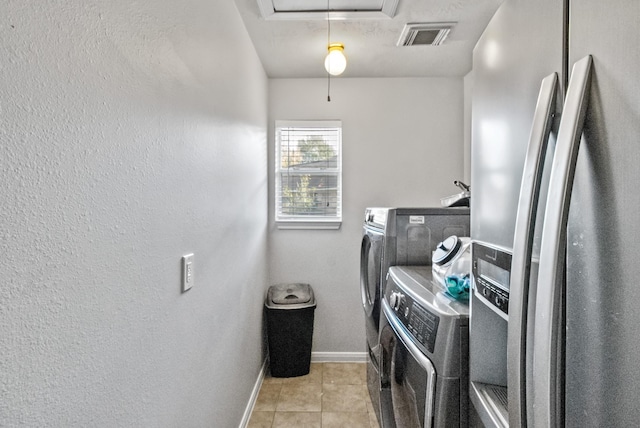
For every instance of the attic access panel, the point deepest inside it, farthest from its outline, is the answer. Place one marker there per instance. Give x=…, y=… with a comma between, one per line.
x=321, y=5
x=317, y=9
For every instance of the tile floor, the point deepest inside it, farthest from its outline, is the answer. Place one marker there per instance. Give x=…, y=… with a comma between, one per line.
x=332, y=395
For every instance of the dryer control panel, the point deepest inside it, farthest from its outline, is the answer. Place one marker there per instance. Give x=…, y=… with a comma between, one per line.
x=421, y=324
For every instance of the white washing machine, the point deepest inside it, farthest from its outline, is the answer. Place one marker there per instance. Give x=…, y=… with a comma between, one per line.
x=424, y=362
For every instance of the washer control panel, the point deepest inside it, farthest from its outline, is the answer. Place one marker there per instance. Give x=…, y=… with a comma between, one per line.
x=421, y=324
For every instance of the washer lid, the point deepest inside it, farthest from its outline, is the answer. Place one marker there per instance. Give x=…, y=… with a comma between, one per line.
x=446, y=250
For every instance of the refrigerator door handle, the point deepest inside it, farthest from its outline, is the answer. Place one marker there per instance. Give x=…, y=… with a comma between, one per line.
x=547, y=328
x=522, y=249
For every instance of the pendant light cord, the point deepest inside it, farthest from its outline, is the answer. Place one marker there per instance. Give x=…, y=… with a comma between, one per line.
x=328, y=42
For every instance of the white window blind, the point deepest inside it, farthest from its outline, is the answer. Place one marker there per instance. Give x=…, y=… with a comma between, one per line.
x=308, y=171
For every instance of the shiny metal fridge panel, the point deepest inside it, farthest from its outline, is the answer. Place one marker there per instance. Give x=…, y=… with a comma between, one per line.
x=603, y=247
x=521, y=46
x=596, y=381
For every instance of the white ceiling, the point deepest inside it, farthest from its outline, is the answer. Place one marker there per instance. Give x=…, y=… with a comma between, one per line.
x=294, y=44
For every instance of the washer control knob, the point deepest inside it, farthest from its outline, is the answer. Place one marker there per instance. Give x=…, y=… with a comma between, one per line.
x=400, y=300
x=393, y=300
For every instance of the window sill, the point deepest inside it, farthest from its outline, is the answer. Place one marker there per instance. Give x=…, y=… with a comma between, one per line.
x=309, y=225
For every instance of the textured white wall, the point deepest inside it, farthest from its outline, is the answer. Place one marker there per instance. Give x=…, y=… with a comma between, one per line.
x=402, y=146
x=131, y=133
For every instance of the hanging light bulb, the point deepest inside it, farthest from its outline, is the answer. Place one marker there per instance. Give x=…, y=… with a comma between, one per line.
x=336, y=62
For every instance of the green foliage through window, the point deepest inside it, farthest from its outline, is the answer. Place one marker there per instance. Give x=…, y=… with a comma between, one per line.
x=308, y=172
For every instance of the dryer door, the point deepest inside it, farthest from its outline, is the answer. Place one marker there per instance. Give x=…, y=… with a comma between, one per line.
x=370, y=265
x=408, y=378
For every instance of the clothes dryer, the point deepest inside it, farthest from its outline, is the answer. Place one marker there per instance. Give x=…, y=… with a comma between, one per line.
x=397, y=236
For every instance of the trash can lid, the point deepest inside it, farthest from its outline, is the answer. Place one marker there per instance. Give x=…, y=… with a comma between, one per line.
x=289, y=294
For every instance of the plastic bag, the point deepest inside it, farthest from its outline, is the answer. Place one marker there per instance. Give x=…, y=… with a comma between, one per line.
x=458, y=286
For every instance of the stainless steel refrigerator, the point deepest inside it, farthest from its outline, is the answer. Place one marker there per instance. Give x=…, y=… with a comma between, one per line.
x=555, y=215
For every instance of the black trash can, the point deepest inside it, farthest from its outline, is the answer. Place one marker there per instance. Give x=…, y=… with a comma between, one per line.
x=290, y=309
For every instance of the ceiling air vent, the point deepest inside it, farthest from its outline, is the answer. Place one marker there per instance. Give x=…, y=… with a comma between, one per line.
x=425, y=34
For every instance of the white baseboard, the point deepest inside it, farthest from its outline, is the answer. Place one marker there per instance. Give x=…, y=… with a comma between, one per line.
x=254, y=395
x=338, y=357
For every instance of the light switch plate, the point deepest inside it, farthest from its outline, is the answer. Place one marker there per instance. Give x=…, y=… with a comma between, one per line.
x=187, y=272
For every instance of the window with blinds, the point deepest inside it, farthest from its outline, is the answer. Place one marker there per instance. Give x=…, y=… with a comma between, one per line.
x=308, y=172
